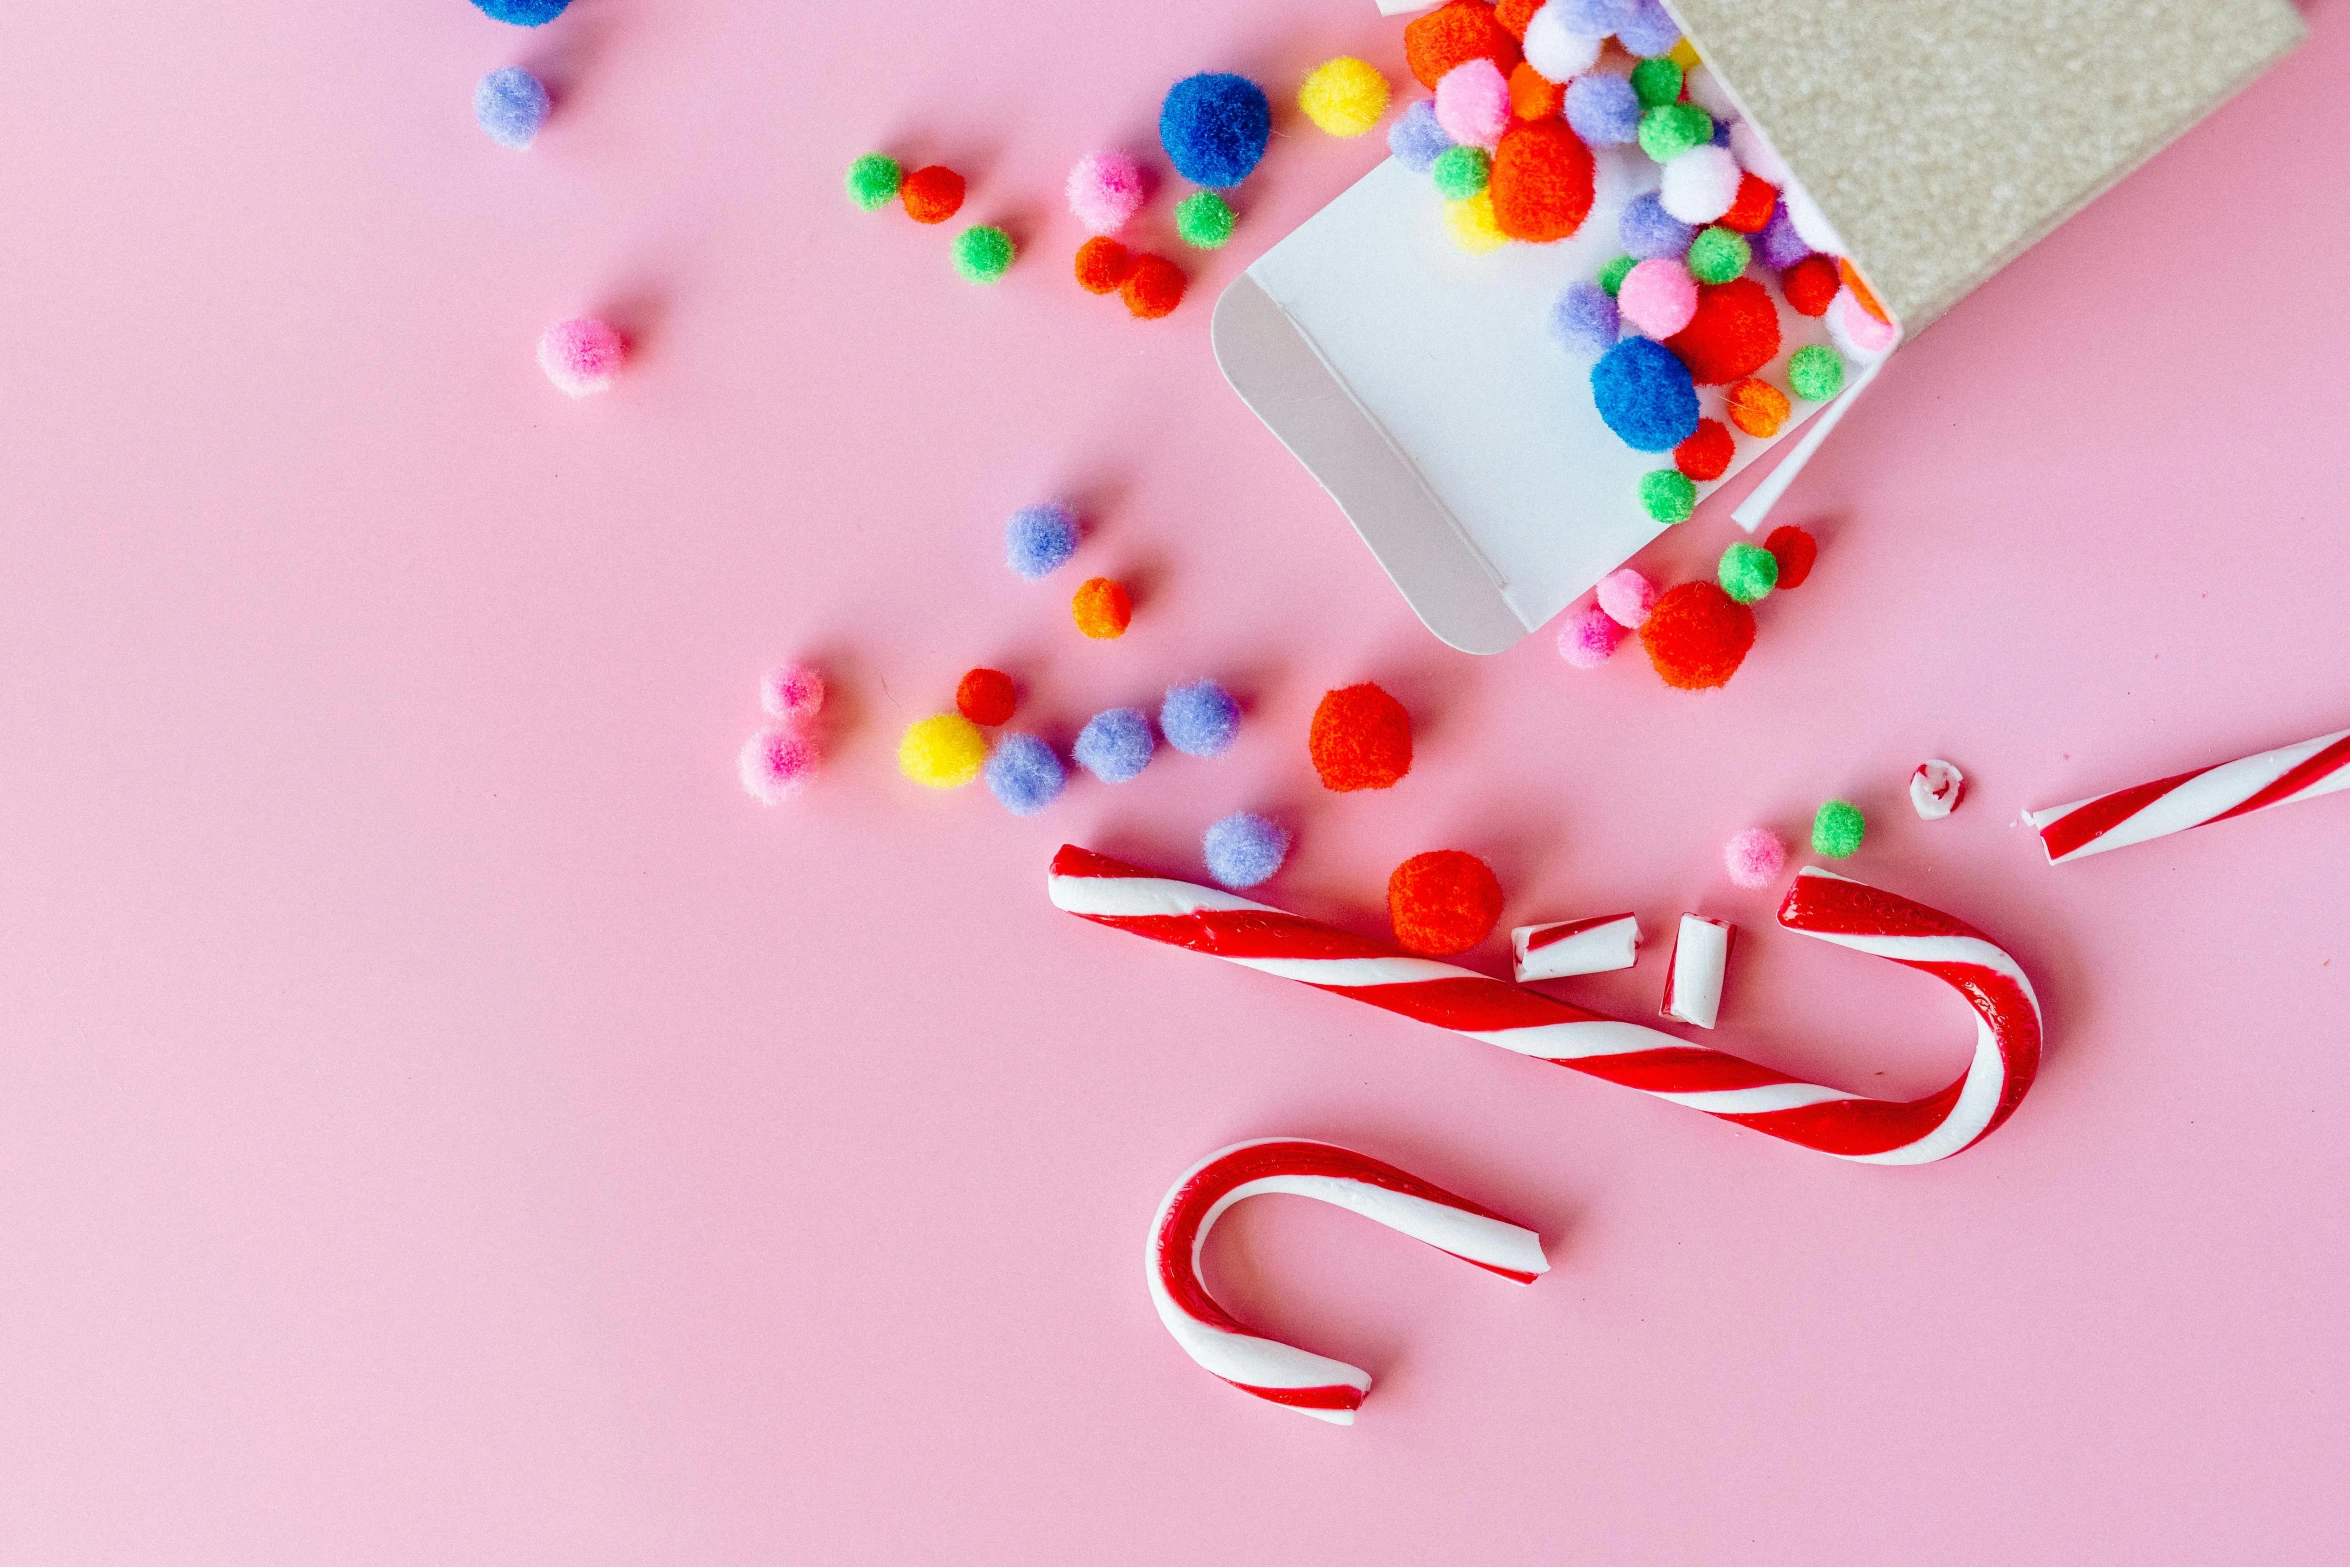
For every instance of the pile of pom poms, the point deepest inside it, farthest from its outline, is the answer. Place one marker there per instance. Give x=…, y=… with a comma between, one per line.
x=781, y=760
x=1697, y=634
x=1105, y=190
x=982, y=253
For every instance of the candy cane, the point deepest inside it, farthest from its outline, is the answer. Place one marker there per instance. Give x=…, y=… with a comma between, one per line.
x=2168, y=805
x=1821, y=905
x=1312, y=1384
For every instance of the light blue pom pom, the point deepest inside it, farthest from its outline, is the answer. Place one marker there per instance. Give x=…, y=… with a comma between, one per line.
x=1415, y=138
x=1603, y=109
x=1039, y=540
x=511, y=105
x=1650, y=31
x=1244, y=849
x=1648, y=231
x=1200, y=719
x=1024, y=775
x=1583, y=320
x=1116, y=745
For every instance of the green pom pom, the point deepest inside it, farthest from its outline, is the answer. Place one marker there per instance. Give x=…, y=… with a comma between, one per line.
x=1657, y=81
x=1611, y=276
x=1748, y=573
x=1460, y=172
x=1718, y=255
x=1816, y=373
x=1668, y=495
x=1204, y=220
x=983, y=254
x=1671, y=129
x=1836, y=832
x=873, y=181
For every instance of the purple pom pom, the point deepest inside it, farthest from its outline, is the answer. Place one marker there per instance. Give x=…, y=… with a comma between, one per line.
x=1650, y=31
x=1604, y=110
x=1416, y=138
x=1598, y=18
x=1778, y=246
x=1650, y=233
x=1583, y=320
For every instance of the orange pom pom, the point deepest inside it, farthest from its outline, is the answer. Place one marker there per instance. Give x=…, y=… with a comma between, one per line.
x=1540, y=181
x=1706, y=455
x=1810, y=285
x=1534, y=96
x=1734, y=333
x=1102, y=609
x=1750, y=213
x=985, y=696
x=1860, y=290
x=1697, y=636
x=1153, y=288
x=1442, y=903
x=1757, y=407
x=1513, y=15
x=1453, y=33
x=932, y=195
x=1361, y=739
x=1103, y=264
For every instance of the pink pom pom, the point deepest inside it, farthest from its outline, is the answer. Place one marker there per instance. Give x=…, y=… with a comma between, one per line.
x=582, y=355
x=1589, y=637
x=1106, y=189
x=1659, y=297
x=1852, y=326
x=1755, y=857
x=1627, y=596
x=793, y=691
x=1473, y=103
x=776, y=763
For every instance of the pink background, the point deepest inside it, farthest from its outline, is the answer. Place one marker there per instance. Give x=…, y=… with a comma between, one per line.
x=443, y=1120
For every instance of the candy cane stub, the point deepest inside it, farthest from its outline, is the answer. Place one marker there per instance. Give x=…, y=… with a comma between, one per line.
x=1820, y=905
x=1281, y=1373
x=2196, y=799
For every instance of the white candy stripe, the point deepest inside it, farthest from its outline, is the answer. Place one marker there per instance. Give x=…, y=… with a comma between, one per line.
x=1755, y=1101
x=1935, y=949
x=1135, y=896
x=1978, y=1101
x=1354, y=973
x=1596, y=949
x=1601, y=1036
x=2211, y=793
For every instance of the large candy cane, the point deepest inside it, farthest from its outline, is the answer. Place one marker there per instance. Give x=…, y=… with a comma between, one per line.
x=1313, y=1384
x=1821, y=905
x=2213, y=794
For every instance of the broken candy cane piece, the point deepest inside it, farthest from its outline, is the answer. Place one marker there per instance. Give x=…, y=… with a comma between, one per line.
x=1593, y=946
x=1311, y=1384
x=1936, y=789
x=1693, y=979
x=2168, y=805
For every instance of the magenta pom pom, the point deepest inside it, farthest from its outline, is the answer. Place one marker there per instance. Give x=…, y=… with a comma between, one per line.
x=582, y=355
x=1627, y=597
x=1473, y=103
x=794, y=692
x=1755, y=857
x=777, y=763
x=1106, y=190
x=1659, y=297
x=1589, y=637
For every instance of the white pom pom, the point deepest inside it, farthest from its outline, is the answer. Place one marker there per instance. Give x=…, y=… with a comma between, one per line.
x=1700, y=185
x=1705, y=89
x=1757, y=156
x=1811, y=224
x=1556, y=53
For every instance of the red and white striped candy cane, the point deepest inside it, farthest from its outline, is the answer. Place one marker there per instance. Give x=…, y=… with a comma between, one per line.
x=2168, y=805
x=1821, y=905
x=1313, y=1384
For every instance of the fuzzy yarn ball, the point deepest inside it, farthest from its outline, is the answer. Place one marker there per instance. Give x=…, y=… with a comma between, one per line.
x=1534, y=96
x=1458, y=30
x=1697, y=636
x=1583, y=320
x=1754, y=857
x=1757, y=407
x=944, y=751
x=777, y=763
x=1627, y=596
x=1555, y=49
x=1153, y=289
x=1611, y=277
x=1214, y=127
x=1588, y=637
x=793, y=692
x=1461, y=172
x=1472, y=225
x=1700, y=185
x=1719, y=254
x=1810, y=221
x=1658, y=298
x=1667, y=495
x=1658, y=82
x=1838, y=830
x=1443, y=903
x=1102, y=609
x=1757, y=202
x=1646, y=230
x=1416, y=138
x=1115, y=745
x=1244, y=849
x=873, y=181
x=1541, y=182
x=1673, y=129
x=523, y=13
x=1645, y=394
x=1473, y=103
x=1102, y=265
x=1747, y=572
x=1204, y=220
x=1604, y=110
x=1734, y=334
x=1650, y=30
x=1810, y=285
x=582, y=356
x=1105, y=190
x=510, y=105
x=1592, y=18
x=1199, y=719
x=985, y=696
x=1815, y=373
x=1361, y=738
x=1706, y=455
x=1039, y=539
x=931, y=195
x=1777, y=245
x=983, y=254
x=1795, y=551
x=1345, y=96
x=1024, y=775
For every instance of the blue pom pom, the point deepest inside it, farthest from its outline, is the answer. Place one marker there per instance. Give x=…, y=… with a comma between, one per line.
x=1415, y=138
x=1648, y=231
x=1024, y=775
x=1116, y=745
x=511, y=105
x=1214, y=126
x=1039, y=539
x=1243, y=850
x=1597, y=18
x=1650, y=30
x=1721, y=136
x=1199, y=719
x=523, y=13
x=1603, y=109
x=1583, y=320
x=1646, y=395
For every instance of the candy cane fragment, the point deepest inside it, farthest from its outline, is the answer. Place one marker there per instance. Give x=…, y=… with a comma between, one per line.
x=1693, y=977
x=2197, y=799
x=1280, y=1373
x=1569, y=947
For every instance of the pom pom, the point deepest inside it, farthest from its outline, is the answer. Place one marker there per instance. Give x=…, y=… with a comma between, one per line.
x=1810, y=221
x=1344, y=96
x=1658, y=82
x=1644, y=393
x=1514, y=15
x=1861, y=335
x=1115, y=745
x=1244, y=849
x=1038, y=540
x=1588, y=637
x=1103, y=264
x=582, y=356
x=1697, y=636
x=873, y=181
x=1718, y=255
x=1627, y=596
x=1472, y=225
x=1810, y=285
x=793, y=692
x=1700, y=184
x=1706, y=455
x=945, y=751
x=1648, y=231
x=1102, y=609
x=1361, y=738
x=1611, y=276
x=1443, y=903
x=1704, y=88
x=983, y=254
x=1583, y=320
x=1756, y=155
x=1473, y=103
x=1658, y=298
x=1757, y=407
x=1735, y=333
x=1024, y=775
x=1461, y=172
x=1747, y=572
x=777, y=763
x=1153, y=289
x=523, y=13
x=1650, y=30
x=1416, y=138
x=1604, y=110
x=1106, y=190
x=1837, y=830
x=1199, y=719
x=1667, y=496
x=1667, y=133
x=1755, y=857
x=1214, y=126
x=1555, y=50
x=1860, y=289
x=1795, y=551
x=1778, y=245
x=1534, y=96
x=1815, y=373
x=931, y=195
x=985, y=696
x=1204, y=220
x=1541, y=181
x=1591, y=18
x=1751, y=212
x=1459, y=30
x=511, y=104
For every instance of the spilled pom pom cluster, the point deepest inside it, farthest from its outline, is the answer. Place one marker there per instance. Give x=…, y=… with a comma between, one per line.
x=781, y=760
x=931, y=195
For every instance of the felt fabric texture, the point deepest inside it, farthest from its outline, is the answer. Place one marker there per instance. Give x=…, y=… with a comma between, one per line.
x=510, y=105
x=1756, y=407
x=1658, y=298
x=1627, y=596
x=1706, y=455
x=1244, y=849
x=1105, y=190
x=793, y=692
x=1443, y=903
x=1697, y=636
x=1668, y=131
x=1815, y=373
x=873, y=181
x=1102, y=264
x=1473, y=103
x=1645, y=394
x=1584, y=320
x=1116, y=745
x=582, y=356
x=1204, y=220
x=1604, y=109
x=1667, y=495
x=1455, y=31
x=1541, y=181
x=983, y=254
x=776, y=764
x=1461, y=172
x=1719, y=254
x=1646, y=230
x=1747, y=572
x=1837, y=830
x=1039, y=539
x=1360, y=738
x=1154, y=288
x=1754, y=858
x=1472, y=225
x=1734, y=334
x=1213, y=127
x=1415, y=138
x=1200, y=718
x=986, y=696
x=1700, y=184
x=944, y=751
x=1534, y=96
x=1795, y=551
x=1588, y=637
x=1025, y=775
x=932, y=194
x=523, y=13
x=1345, y=96
x=1555, y=49
x=1102, y=609
x=1810, y=285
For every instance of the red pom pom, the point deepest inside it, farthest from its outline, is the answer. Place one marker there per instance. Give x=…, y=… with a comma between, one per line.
x=1153, y=288
x=1541, y=181
x=1810, y=285
x=1750, y=213
x=1451, y=34
x=1513, y=15
x=1794, y=550
x=1361, y=739
x=1534, y=96
x=1697, y=636
x=1734, y=333
x=1706, y=455
x=1442, y=903
x=932, y=195
x=1103, y=264
x=985, y=697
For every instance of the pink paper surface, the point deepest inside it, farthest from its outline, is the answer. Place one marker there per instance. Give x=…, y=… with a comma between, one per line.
x=444, y=1120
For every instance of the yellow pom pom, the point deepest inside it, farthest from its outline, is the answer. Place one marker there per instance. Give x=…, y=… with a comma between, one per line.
x=1472, y=226
x=1684, y=55
x=945, y=752
x=1344, y=96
